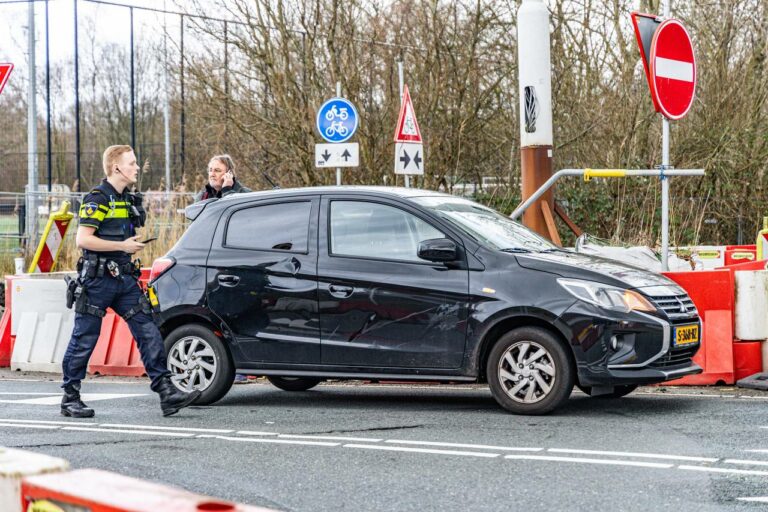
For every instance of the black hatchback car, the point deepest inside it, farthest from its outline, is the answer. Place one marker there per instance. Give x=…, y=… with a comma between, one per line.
x=303, y=285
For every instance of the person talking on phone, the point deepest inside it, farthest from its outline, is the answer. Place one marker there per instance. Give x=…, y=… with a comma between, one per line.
x=222, y=182
x=221, y=179
x=107, y=278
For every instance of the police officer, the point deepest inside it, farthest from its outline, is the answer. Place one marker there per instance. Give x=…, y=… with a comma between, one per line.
x=109, y=217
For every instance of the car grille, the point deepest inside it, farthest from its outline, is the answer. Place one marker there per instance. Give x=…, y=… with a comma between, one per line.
x=676, y=357
x=676, y=306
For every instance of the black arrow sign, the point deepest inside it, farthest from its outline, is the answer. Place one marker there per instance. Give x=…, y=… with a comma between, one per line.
x=405, y=159
x=326, y=155
x=346, y=155
x=417, y=160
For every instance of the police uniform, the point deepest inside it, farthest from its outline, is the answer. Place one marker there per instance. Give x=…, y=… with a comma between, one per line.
x=109, y=280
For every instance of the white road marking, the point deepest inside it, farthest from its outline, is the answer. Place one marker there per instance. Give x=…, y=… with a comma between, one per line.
x=44, y=422
x=747, y=462
x=126, y=431
x=674, y=69
x=274, y=441
x=724, y=470
x=462, y=445
x=330, y=438
x=23, y=393
x=763, y=499
x=56, y=399
x=255, y=433
x=422, y=450
x=583, y=460
x=49, y=427
x=633, y=454
x=181, y=429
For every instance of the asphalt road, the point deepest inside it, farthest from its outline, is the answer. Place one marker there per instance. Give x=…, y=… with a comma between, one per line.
x=361, y=447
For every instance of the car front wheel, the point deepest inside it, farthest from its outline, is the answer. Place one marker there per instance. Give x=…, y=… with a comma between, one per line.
x=529, y=371
x=198, y=359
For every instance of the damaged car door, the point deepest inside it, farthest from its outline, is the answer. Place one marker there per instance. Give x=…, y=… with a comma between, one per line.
x=380, y=303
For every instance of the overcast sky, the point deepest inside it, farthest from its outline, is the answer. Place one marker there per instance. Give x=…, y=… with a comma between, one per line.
x=112, y=25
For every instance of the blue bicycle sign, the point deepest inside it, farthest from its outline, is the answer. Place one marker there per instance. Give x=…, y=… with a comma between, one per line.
x=337, y=120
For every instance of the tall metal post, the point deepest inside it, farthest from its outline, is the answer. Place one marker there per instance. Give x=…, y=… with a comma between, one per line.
x=401, y=82
x=77, y=105
x=535, y=92
x=48, y=152
x=31, y=196
x=166, y=109
x=133, y=90
x=664, y=179
x=183, y=114
x=226, y=78
x=338, y=169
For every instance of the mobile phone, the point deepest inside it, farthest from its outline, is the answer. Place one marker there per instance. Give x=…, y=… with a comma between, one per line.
x=149, y=240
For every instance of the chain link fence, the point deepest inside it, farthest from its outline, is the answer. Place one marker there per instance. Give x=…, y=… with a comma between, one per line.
x=23, y=218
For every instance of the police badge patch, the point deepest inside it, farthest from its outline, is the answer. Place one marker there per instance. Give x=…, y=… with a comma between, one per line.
x=89, y=209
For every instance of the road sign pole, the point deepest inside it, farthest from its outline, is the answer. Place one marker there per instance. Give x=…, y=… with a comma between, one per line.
x=401, y=80
x=664, y=180
x=338, y=169
x=664, y=196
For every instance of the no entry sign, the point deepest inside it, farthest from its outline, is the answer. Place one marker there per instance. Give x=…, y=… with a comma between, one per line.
x=672, y=70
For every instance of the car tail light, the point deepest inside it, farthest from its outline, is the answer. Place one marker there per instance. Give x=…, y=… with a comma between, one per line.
x=159, y=267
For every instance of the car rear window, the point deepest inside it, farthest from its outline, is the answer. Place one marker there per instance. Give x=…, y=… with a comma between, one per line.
x=273, y=227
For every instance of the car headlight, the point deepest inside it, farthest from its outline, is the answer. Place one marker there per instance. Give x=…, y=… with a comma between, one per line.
x=607, y=296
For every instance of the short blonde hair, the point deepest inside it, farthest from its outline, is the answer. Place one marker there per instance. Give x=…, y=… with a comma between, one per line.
x=226, y=160
x=111, y=156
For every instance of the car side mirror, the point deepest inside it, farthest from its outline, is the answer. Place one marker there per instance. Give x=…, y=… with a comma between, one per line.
x=438, y=249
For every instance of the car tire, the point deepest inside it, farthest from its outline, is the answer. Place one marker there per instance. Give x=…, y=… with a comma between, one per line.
x=543, y=383
x=293, y=383
x=618, y=391
x=207, y=364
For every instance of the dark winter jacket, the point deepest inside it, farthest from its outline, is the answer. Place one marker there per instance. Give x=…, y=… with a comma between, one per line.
x=209, y=192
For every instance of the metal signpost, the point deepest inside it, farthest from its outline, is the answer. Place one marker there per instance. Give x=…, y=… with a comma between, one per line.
x=670, y=67
x=409, y=148
x=337, y=122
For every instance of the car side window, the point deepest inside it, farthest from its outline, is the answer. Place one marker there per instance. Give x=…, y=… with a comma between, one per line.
x=273, y=227
x=374, y=230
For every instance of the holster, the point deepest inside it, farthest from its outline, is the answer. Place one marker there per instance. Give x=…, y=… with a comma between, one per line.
x=77, y=297
x=72, y=290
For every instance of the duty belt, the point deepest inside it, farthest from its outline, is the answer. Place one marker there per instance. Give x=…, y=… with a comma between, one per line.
x=96, y=266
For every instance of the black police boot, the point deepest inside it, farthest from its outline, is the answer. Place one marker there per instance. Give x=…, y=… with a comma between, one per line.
x=72, y=406
x=172, y=399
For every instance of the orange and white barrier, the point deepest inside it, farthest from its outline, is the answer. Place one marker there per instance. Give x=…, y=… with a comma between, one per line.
x=101, y=491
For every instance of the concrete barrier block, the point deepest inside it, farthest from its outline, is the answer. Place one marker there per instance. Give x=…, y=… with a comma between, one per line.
x=16, y=465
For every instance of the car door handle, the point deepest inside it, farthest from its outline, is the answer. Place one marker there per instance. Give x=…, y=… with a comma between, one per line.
x=228, y=280
x=341, y=292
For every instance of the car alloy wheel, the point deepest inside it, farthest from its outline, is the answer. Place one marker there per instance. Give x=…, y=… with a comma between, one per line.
x=192, y=362
x=527, y=372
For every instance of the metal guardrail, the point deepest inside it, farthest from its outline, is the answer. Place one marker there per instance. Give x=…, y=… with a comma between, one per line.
x=588, y=174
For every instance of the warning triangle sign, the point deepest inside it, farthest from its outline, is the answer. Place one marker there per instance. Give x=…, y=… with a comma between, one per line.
x=5, y=72
x=407, y=125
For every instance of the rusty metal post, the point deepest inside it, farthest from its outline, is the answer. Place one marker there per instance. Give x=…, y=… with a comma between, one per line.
x=535, y=90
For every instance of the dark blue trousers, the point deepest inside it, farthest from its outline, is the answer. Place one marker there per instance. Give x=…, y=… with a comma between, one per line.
x=121, y=294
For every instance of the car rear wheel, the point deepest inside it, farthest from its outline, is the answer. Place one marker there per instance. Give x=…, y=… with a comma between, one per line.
x=293, y=383
x=198, y=359
x=529, y=371
x=618, y=391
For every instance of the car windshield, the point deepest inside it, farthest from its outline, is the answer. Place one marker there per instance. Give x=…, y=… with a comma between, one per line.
x=485, y=225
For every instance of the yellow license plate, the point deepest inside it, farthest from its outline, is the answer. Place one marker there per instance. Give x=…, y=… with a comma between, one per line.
x=686, y=335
